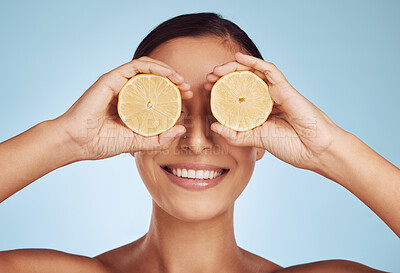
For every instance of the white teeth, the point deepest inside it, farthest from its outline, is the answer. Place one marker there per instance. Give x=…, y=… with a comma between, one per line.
x=200, y=174
x=212, y=174
x=195, y=174
x=191, y=173
x=206, y=174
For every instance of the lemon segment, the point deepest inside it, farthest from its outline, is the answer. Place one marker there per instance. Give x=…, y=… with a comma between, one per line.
x=241, y=100
x=149, y=104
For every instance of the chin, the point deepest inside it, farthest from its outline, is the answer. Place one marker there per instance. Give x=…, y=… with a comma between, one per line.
x=191, y=205
x=190, y=209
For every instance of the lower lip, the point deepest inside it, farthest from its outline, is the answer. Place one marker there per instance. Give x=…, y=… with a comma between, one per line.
x=195, y=184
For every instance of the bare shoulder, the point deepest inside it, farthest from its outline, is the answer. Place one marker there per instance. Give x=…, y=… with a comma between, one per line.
x=334, y=266
x=48, y=260
x=123, y=258
x=329, y=266
x=259, y=264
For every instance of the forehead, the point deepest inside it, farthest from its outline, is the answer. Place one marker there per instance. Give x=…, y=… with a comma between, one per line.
x=194, y=57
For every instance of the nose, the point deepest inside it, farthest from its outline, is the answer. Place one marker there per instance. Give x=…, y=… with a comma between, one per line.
x=197, y=138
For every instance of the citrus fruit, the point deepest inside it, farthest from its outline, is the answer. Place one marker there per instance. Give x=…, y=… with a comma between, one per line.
x=149, y=104
x=241, y=100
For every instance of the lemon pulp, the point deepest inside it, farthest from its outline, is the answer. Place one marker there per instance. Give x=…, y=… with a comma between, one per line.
x=241, y=100
x=149, y=104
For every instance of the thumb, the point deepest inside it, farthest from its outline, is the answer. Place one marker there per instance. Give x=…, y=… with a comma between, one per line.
x=223, y=130
x=154, y=143
x=232, y=137
x=165, y=138
x=254, y=137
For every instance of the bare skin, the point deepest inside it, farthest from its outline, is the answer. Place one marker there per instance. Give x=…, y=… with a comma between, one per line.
x=177, y=240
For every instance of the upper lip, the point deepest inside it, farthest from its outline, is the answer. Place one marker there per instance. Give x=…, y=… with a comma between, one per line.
x=194, y=166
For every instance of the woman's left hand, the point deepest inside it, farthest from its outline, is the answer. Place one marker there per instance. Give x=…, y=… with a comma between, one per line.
x=296, y=132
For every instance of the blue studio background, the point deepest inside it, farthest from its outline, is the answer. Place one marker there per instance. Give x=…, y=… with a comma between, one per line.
x=342, y=55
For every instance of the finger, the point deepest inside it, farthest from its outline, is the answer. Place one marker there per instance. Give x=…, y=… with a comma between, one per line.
x=178, y=78
x=184, y=86
x=223, y=69
x=235, y=66
x=186, y=95
x=245, y=138
x=233, y=137
x=208, y=86
x=117, y=77
x=211, y=77
x=154, y=68
x=157, y=142
x=165, y=138
x=149, y=59
x=223, y=130
x=272, y=73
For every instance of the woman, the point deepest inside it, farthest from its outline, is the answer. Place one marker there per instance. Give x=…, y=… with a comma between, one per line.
x=191, y=229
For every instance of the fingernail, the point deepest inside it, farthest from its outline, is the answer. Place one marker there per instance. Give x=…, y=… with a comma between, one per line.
x=179, y=77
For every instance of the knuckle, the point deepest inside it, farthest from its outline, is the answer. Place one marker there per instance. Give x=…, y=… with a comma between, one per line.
x=172, y=74
x=106, y=76
x=155, y=62
x=135, y=61
x=138, y=62
x=144, y=58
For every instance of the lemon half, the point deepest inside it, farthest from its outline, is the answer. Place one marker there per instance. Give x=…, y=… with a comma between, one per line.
x=149, y=104
x=241, y=100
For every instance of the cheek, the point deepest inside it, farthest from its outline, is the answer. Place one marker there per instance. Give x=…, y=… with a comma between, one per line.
x=145, y=167
x=246, y=159
x=150, y=174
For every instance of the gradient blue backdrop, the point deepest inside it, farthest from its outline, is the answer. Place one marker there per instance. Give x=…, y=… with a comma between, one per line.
x=342, y=55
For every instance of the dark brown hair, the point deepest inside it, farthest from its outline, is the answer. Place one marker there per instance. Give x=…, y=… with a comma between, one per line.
x=196, y=24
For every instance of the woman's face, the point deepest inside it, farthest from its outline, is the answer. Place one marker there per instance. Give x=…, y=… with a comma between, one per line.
x=184, y=198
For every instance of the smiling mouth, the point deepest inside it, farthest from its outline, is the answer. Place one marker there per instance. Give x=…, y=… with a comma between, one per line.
x=203, y=174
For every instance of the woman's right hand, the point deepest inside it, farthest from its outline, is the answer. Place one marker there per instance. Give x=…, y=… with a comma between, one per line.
x=93, y=125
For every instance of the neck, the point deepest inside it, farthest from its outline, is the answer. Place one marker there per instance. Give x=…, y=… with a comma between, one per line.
x=173, y=245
